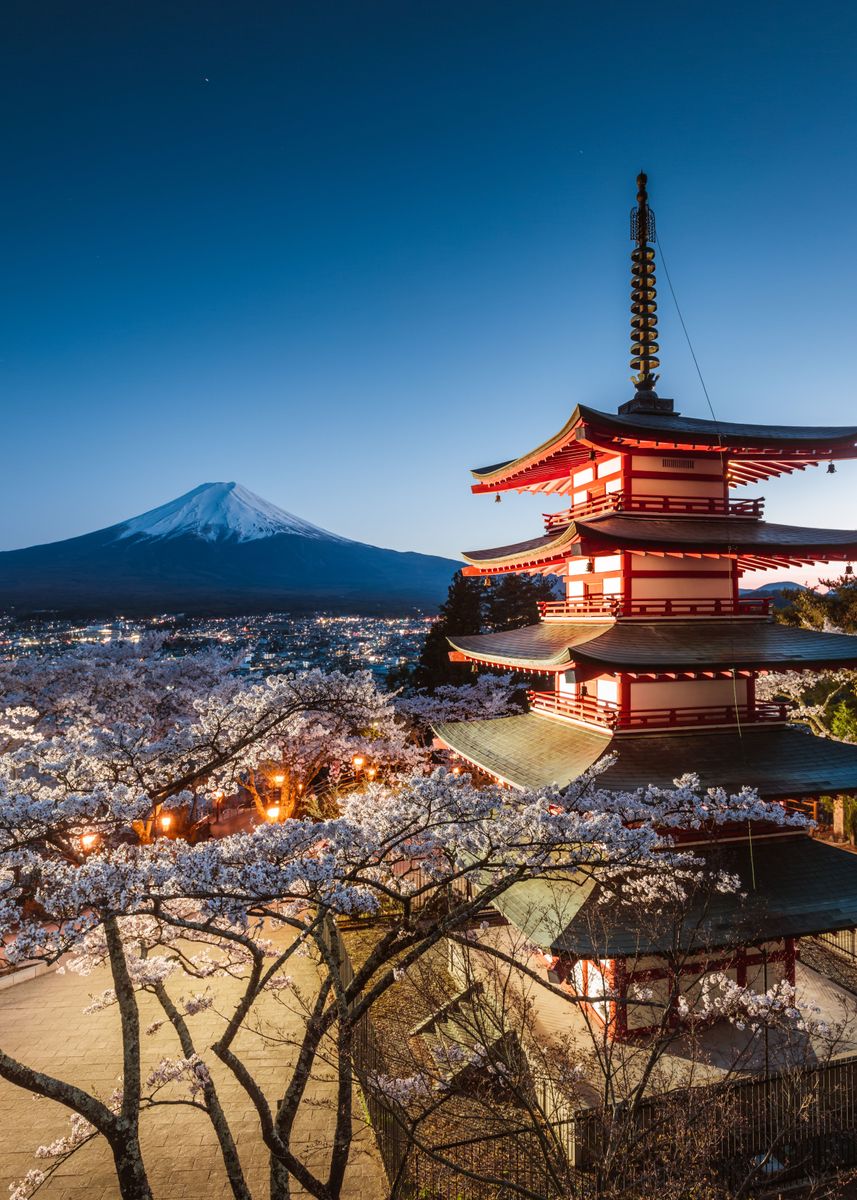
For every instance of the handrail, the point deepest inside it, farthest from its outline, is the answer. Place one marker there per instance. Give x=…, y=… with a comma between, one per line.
x=601, y=605
x=581, y=708
x=593, y=711
x=698, y=506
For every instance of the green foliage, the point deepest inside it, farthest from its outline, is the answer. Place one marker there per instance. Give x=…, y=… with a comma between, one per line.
x=843, y=721
x=508, y=602
x=814, y=610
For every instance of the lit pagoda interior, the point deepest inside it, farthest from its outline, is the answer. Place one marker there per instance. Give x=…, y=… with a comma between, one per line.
x=653, y=654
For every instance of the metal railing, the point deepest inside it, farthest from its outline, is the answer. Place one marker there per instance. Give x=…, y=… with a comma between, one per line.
x=678, y=506
x=603, y=605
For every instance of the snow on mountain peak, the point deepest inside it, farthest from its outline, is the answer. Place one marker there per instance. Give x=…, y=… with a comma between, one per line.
x=217, y=512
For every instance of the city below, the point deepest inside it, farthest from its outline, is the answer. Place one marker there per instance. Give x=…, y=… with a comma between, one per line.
x=268, y=643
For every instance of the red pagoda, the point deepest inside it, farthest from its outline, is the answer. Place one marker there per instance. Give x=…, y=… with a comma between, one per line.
x=653, y=655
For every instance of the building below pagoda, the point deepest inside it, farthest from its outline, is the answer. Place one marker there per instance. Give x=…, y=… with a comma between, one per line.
x=650, y=660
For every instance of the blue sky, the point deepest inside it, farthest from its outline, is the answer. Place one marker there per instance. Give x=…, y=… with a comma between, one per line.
x=343, y=252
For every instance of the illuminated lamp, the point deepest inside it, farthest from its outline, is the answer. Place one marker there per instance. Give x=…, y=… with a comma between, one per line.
x=273, y=813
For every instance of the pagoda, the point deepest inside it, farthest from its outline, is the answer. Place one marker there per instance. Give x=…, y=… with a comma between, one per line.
x=652, y=656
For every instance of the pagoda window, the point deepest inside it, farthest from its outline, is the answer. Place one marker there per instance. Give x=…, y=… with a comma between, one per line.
x=577, y=566
x=613, y=485
x=612, y=585
x=607, y=690
x=598, y=983
x=608, y=562
x=611, y=466
x=579, y=478
x=580, y=497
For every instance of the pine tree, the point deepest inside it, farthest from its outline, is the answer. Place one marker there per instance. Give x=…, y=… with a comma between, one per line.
x=508, y=602
x=461, y=614
x=512, y=601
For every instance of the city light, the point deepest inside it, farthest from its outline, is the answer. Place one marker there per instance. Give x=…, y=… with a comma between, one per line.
x=87, y=841
x=357, y=762
x=278, y=780
x=273, y=813
x=166, y=821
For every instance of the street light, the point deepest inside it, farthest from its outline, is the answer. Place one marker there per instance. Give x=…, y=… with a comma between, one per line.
x=278, y=780
x=371, y=773
x=357, y=762
x=87, y=841
x=166, y=822
x=273, y=813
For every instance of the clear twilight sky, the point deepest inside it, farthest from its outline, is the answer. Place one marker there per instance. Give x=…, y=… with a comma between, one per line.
x=342, y=252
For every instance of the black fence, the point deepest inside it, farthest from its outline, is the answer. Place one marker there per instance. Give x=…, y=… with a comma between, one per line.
x=844, y=941
x=787, y=1128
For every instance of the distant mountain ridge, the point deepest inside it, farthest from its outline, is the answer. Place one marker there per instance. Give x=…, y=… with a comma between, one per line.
x=218, y=549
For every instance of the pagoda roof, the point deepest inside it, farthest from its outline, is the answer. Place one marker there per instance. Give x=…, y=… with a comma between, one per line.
x=765, y=449
x=759, y=543
x=791, y=886
x=657, y=646
x=532, y=751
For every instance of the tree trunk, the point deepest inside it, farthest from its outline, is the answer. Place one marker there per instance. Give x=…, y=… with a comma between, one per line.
x=280, y=1188
x=130, y=1172
x=839, y=822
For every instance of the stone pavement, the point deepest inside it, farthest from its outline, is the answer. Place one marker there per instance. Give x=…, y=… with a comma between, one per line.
x=42, y=1023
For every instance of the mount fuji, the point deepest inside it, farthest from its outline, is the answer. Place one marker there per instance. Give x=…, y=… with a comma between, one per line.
x=218, y=549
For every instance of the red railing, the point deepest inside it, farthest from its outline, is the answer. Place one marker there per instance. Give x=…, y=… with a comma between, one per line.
x=709, y=714
x=699, y=506
x=592, y=711
x=600, y=605
x=583, y=606
x=717, y=606
x=580, y=708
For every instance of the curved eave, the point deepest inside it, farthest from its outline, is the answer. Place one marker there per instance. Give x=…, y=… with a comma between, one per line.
x=757, y=543
x=790, y=886
x=532, y=751
x=764, y=449
x=659, y=648
x=534, y=553
x=546, y=647
x=715, y=535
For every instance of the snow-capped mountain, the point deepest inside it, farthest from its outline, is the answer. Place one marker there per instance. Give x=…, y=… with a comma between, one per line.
x=216, y=511
x=218, y=549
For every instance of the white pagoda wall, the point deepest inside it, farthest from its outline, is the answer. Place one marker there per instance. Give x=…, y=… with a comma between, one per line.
x=684, y=693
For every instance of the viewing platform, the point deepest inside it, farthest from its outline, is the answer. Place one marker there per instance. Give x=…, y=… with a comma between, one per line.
x=691, y=506
x=592, y=711
x=602, y=606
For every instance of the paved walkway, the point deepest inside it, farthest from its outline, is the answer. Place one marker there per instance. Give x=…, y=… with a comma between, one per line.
x=42, y=1022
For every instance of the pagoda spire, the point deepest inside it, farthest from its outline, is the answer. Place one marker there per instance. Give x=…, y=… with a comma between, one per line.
x=644, y=309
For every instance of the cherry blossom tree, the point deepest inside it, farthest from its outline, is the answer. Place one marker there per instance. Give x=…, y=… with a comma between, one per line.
x=422, y=856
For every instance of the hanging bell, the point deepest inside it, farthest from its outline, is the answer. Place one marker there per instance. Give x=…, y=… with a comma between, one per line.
x=831, y=468
x=849, y=570
x=590, y=565
x=497, y=498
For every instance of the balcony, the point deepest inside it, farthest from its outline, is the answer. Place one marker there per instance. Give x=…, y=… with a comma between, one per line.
x=591, y=711
x=586, y=709
x=605, y=607
x=676, y=506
